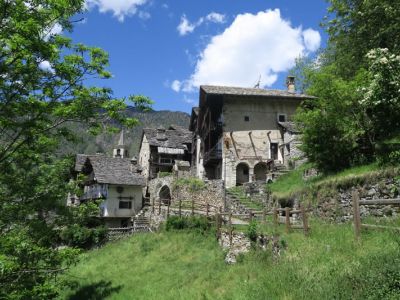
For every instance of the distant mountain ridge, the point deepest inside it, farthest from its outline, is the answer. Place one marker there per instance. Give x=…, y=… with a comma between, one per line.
x=105, y=142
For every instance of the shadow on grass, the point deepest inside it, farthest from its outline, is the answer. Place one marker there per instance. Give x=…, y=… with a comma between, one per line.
x=94, y=291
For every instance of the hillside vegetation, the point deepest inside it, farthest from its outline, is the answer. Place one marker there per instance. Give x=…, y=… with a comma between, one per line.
x=188, y=265
x=105, y=142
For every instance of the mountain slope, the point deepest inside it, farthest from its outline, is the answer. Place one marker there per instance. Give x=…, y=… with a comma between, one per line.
x=89, y=144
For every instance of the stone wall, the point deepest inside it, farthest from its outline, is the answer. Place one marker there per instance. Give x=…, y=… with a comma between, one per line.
x=333, y=200
x=339, y=207
x=213, y=194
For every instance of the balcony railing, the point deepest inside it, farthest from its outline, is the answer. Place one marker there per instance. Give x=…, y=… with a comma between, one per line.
x=215, y=153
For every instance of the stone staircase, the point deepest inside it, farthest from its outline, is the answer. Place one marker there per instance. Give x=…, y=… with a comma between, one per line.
x=279, y=169
x=238, y=205
x=141, y=222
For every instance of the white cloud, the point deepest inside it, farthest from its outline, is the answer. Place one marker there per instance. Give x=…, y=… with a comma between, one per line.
x=189, y=100
x=216, y=17
x=253, y=45
x=144, y=15
x=176, y=85
x=185, y=26
x=119, y=8
x=45, y=66
x=51, y=31
x=312, y=39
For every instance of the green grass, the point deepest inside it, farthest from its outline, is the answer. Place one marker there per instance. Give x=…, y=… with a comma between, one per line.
x=187, y=265
x=293, y=182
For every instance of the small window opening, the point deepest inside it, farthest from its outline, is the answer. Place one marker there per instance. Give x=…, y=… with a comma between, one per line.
x=281, y=118
x=246, y=118
x=125, y=204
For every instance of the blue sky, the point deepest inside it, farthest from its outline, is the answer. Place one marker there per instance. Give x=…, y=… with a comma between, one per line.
x=166, y=49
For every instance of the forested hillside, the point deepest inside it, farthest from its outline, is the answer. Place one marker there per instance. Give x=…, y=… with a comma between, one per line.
x=104, y=143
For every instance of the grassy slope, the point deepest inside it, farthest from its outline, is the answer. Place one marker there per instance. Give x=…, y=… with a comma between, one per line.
x=185, y=265
x=293, y=182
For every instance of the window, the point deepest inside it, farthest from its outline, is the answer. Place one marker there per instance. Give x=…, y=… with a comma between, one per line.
x=166, y=161
x=125, y=204
x=246, y=118
x=245, y=172
x=281, y=118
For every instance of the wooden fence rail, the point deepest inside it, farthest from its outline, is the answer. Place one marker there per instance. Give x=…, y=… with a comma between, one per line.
x=357, y=216
x=206, y=209
x=275, y=213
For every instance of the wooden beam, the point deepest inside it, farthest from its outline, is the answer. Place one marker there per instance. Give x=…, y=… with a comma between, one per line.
x=380, y=202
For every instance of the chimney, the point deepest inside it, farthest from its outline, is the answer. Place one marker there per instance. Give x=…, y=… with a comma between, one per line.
x=134, y=161
x=290, y=84
x=161, y=134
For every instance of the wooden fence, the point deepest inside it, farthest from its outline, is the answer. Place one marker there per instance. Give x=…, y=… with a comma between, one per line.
x=264, y=213
x=357, y=216
x=191, y=205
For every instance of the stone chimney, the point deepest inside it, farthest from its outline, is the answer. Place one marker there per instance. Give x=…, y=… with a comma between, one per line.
x=290, y=84
x=134, y=161
x=161, y=134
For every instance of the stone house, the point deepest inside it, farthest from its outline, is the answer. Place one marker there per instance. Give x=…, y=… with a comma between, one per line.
x=240, y=134
x=161, y=148
x=116, y=181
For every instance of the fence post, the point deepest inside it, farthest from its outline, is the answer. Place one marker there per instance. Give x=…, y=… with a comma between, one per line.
x=192, y=206
x=207, y=208
x=264, y=216
x=305, y=220
x=159, y=207
x=153, y=206
x=356, y=215
x=217, y=221
x=169, y=203
x=287, y=215
x=275, y=217
x=180, y=207
x=230, y=229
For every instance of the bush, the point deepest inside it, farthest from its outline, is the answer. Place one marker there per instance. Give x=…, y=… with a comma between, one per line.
x=179, y=223
x=252, y=231
x=83, y=237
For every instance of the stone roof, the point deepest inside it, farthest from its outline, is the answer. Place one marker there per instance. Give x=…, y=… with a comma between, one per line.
x=112, y=170
x=290, y=126
x=257, y=92
x=177, y=138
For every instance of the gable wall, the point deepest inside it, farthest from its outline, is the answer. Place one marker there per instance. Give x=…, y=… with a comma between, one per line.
x=262, y=113
x=263, y=128
x=111, y=204
x=144, y=156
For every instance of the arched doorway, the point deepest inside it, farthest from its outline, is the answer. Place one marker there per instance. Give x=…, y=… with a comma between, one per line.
x=260, y=171
x=242, y=173
x=165, y=195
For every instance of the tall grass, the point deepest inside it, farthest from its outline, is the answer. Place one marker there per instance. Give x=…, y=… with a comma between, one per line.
x=328, y=264
x=293, y=181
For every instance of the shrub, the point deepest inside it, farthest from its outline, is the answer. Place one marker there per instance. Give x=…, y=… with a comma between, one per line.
x=179, y=223
x=252, y=231
x=83, y=237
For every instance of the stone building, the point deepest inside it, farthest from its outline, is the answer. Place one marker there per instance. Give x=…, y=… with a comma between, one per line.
x=161, y=148
x=116, y=181
x=239, y=133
